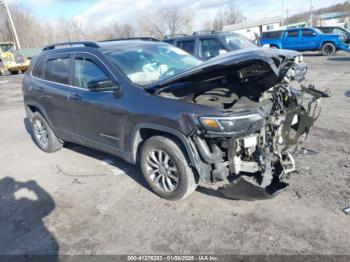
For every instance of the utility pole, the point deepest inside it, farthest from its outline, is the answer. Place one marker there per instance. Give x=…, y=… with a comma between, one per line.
x=282, y=13
x=311, y=15
x=13, y=28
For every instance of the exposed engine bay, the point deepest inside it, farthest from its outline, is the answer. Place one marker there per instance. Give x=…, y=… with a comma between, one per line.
x=268, y=112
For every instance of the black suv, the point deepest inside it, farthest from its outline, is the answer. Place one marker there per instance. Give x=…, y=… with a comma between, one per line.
x=206, y=46
x=233, y=119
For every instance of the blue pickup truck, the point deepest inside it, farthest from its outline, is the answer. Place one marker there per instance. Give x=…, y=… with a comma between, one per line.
x=304, y=39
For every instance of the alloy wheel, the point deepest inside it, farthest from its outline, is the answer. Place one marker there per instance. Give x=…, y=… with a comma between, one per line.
x=162, y=170
x=41, y=133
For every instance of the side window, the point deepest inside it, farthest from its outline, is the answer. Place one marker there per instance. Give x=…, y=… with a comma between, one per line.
x=86, y=71
x=209, y=48
x=188, y=46
x=339, y=32
x=308, y=33
x=57, y=70
x=294, y=33
x=38, y=68
x=326, y=30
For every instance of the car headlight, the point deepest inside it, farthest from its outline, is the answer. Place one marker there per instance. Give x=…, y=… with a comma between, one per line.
x=235, y=123
x=299, y=59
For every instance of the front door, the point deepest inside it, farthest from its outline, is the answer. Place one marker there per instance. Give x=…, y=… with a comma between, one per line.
x=98, y=115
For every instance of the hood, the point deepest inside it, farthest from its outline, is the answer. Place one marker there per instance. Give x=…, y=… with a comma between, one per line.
x=274, y=60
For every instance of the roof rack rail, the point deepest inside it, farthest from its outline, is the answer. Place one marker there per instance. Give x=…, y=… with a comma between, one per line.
x=206, y=32
x=84, y=43
x=175, y=35
x=152, y=39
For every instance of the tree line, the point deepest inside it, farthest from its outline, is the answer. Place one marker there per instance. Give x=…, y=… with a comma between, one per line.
x=34, y=32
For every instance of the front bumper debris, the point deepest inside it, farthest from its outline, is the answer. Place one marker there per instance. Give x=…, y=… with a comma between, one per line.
x=242, y=189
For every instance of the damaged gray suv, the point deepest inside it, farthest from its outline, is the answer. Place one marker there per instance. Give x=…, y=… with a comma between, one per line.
x=231, y=123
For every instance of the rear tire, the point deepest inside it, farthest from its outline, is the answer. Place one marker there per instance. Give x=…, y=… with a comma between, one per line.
x=166, y=169
x=43, y=135
x=328, y=49
x=273, y=47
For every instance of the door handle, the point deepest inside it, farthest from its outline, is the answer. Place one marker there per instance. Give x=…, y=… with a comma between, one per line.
x=74, y=97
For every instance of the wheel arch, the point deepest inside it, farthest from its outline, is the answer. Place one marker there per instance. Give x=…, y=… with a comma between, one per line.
x=32, y=107
x=143, y=131
x=328, y=42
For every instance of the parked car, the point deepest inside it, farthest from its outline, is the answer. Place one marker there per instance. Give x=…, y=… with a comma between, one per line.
x=304, y=39
x=233, y=119
x=206, y=46
x=336, y=30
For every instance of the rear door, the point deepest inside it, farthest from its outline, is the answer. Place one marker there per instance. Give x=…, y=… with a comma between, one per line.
x=291, y=40
x=98, y=115
x=53, y=94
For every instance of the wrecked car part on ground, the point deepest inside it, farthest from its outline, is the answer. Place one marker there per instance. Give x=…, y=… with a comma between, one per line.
x=267, y=112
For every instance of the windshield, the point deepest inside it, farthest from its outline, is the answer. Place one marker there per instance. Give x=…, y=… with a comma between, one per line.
x=152, y=63
x=236, y=42
x=6, y=47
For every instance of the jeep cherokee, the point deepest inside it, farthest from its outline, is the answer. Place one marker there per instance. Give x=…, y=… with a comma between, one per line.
x=231, y=123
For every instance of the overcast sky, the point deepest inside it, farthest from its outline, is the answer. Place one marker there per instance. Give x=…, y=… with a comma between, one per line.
x=101, y=12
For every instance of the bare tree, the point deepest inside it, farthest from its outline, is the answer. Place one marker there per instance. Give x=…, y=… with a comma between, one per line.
x=178, y=20
x=230, y=14
x=219, y=21
x=173, y=20
x=149, y=25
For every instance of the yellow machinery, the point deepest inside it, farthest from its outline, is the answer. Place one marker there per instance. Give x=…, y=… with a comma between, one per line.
x=11, y=61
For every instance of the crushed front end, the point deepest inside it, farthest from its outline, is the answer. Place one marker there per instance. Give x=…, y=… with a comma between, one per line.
x=250, y=152
x=263, y=112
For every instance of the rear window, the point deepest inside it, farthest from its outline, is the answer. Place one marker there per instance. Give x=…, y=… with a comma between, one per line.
x=38, y=68
x=57, y=70
x=188, y=46
x=326, y=30
x=308, y=32
x=274, y=34
x=294, y=33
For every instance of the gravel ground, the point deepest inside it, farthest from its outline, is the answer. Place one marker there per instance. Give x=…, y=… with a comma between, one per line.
x=80, y=201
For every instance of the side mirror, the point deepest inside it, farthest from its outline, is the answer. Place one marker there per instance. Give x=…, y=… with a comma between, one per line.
x=102, y=85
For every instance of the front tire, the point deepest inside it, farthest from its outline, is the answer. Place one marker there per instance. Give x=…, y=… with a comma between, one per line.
x=166, y=168
x=328, y=49
x=43, y=135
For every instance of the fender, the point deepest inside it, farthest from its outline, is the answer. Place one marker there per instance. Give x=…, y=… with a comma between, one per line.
x=40, y=109
x=187, y=143
x=329, y=41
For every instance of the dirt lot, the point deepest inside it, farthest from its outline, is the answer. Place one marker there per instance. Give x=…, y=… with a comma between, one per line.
x=84, y=202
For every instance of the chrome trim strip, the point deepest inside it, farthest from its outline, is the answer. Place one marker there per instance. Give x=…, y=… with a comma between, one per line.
x=109, y=136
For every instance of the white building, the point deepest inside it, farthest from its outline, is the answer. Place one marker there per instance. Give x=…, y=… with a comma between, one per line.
x=251, y=29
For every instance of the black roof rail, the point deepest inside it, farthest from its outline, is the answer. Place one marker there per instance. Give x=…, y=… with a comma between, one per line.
x=152, y=39
x=84, y=43
x=175, y=35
